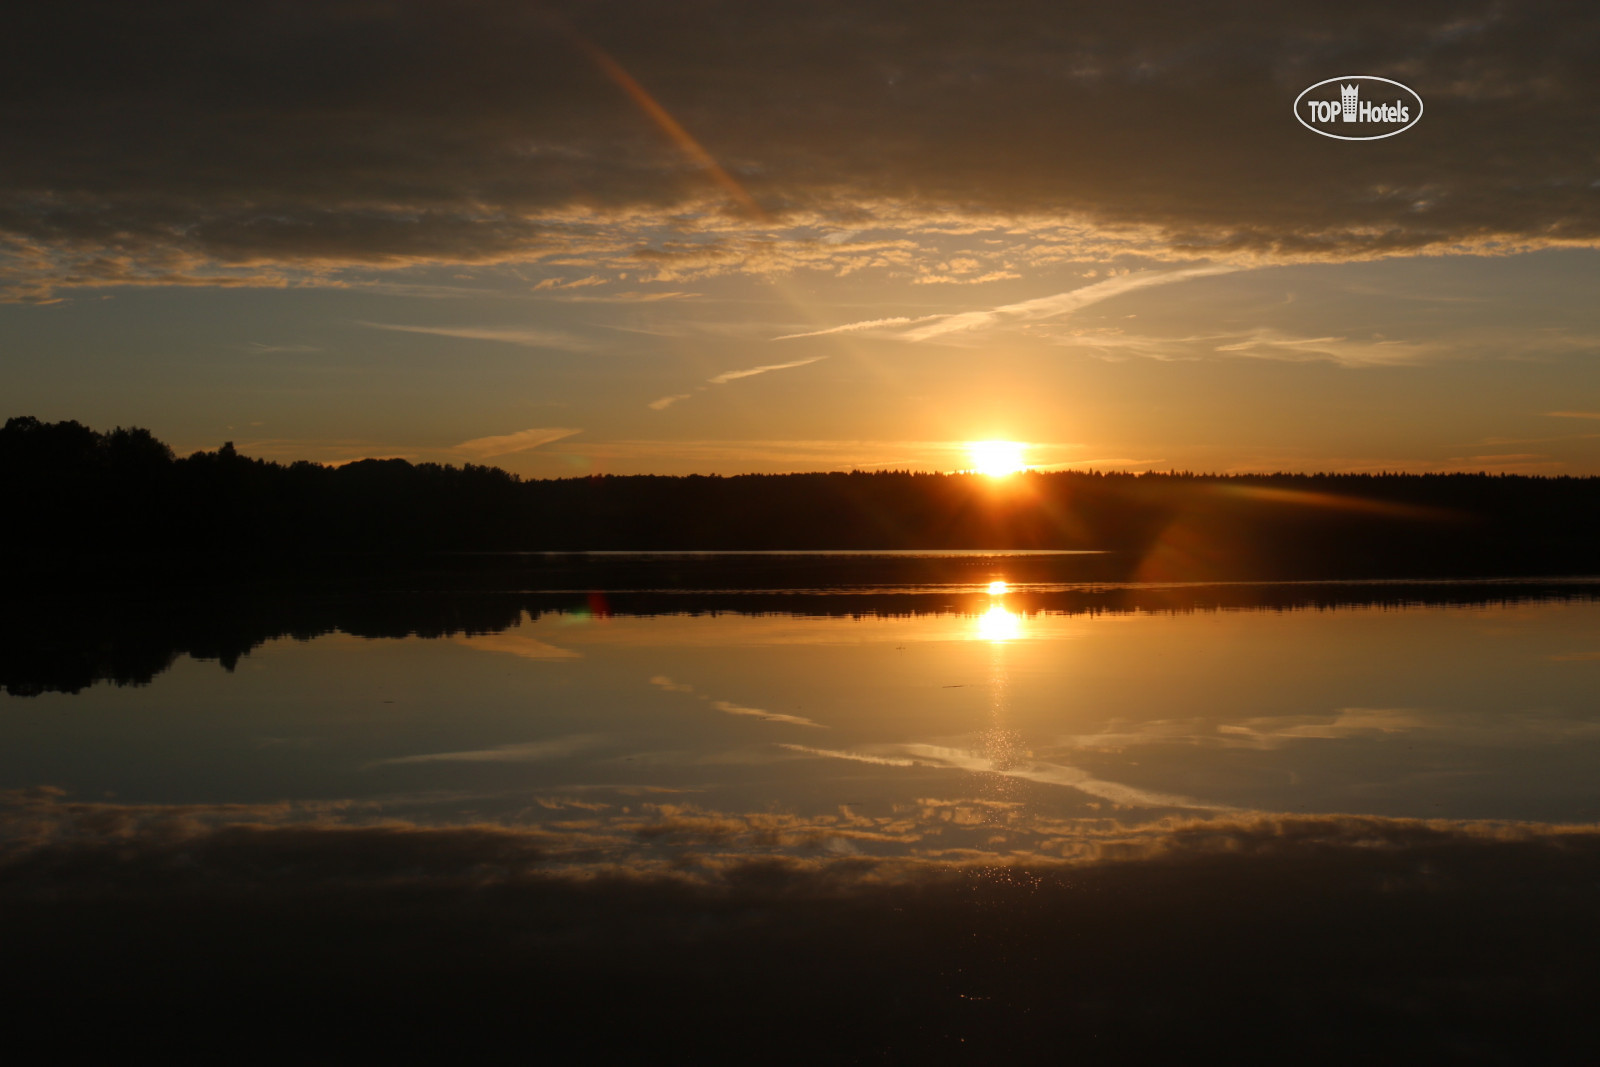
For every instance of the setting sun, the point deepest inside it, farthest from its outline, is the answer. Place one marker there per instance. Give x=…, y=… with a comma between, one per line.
x=996, y=458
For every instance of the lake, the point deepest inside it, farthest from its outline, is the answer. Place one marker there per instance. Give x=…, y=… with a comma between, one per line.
x=664, y=793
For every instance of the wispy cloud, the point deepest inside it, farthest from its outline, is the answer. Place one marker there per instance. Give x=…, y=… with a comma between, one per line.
x=661, y=681
x=1056, y=774
x=527, y=752
x=1026, y=770
x=1045, y=307
x=627, y=297
x=1049, y=307
x=1275, y=344
x=859, y=757
x=850, y=327
x=734, y=375
x=530, y=338
x=1269, y=733
x=1574, y=414
x=505, y=444
x=662, y=403
x=728, y=707
x=731, y=708
x=577, y=283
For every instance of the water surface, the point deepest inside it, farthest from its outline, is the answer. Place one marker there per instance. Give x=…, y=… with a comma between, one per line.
x=915, y=818
x=900, y=722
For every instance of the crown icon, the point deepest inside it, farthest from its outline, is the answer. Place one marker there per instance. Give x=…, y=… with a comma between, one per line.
x=1347, y=97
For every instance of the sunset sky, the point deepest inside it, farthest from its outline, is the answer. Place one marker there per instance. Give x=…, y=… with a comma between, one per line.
x=716, y=237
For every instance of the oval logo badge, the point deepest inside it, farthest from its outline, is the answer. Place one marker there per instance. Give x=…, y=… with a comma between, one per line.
x=1358, y=107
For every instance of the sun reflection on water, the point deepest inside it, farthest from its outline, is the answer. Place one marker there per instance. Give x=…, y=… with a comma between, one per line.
x=998, y=624
x=1001, y=744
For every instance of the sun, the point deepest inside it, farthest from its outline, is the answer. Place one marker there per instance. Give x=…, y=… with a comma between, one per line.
x=996, y=458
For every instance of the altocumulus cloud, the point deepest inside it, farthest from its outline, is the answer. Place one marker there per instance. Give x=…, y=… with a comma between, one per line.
x=156, y=144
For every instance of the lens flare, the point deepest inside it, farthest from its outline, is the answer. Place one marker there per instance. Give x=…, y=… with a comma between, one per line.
x=671, y=127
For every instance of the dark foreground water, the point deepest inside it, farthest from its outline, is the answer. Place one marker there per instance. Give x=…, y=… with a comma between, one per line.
x=902, y=822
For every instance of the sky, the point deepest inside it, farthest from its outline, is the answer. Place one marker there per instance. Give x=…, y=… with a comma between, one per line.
x=716, y=237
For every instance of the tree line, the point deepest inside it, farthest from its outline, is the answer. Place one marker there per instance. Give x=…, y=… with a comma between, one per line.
x=77, y=493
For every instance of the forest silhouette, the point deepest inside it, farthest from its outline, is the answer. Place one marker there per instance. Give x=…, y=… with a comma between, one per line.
x=89, y=504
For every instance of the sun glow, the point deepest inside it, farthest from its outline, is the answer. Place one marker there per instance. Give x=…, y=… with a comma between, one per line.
x=996, y=458
x=999, y=625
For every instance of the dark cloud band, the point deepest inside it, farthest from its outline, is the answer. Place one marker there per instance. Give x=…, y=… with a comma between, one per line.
x=178, y=141
x=1325, y=939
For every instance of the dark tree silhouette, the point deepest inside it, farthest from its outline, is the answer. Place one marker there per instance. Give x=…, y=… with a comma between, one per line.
x=87, y=506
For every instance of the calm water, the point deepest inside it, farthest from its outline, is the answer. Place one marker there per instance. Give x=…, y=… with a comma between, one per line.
x=986, y=723
x=918, y=821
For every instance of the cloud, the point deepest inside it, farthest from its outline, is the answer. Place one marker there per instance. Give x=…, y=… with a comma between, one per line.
x=1574, y=414
x=1047, y=773
x=1275, y=344
x=626, y=298
x=1046, y=307
x=473, y=936
x=577, y=283
x=727, y=707
x=1269, y=733
x=662, y=403
x=661, y=681
x=1049, y=307
x=765, y=716
x=528, y=337
x=859, y=757
x=734, y=375
x=505, y=444
x=527, y=752
x=849, y=327
x=136, y=155
x=1056, y=774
